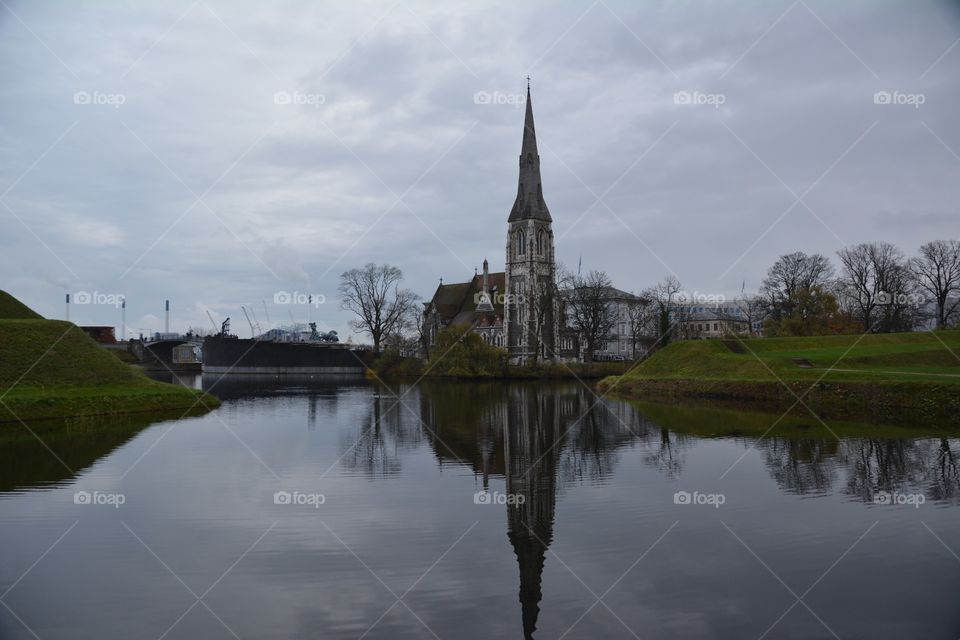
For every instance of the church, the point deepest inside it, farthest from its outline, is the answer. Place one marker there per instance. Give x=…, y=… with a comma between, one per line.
x=517, y=309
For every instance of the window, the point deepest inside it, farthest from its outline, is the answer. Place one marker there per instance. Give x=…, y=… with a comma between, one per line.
x=521, y=242
x=541, y=242
x=716, y=326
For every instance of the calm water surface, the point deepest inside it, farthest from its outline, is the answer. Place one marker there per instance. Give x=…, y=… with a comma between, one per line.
x=335, y=510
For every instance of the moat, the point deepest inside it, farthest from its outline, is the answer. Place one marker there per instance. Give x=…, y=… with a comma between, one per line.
x=350, y=509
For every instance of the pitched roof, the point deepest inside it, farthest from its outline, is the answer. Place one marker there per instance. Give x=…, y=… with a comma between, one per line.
x=457, y=303
x=612, y=293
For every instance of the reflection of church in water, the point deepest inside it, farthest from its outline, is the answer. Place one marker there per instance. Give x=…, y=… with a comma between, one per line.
x=542, y=439
x=531, y=443
x=520, y=435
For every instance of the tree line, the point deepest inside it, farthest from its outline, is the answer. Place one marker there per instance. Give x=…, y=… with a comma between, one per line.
x=873, y=287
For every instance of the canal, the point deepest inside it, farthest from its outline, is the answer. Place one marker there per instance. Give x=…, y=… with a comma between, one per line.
x=350, y=509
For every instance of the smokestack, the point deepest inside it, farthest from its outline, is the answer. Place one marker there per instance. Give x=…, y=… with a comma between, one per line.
x=166, y=318
x=68, y=307
x=123, y=319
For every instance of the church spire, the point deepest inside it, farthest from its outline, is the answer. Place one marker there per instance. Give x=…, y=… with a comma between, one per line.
x=529, y=203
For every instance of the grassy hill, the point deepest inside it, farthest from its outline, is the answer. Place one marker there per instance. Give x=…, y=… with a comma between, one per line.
x=895, y=356
x=11, y=308
x=52, y=369
x=916, y=375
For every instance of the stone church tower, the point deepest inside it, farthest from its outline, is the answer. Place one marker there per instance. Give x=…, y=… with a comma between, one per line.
x=530, y=309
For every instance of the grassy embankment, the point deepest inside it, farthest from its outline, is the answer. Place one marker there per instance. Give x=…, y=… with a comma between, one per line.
x=51, y=369
x=913, y=376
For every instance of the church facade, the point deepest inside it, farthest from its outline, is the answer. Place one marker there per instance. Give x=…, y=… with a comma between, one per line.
x=517, y=309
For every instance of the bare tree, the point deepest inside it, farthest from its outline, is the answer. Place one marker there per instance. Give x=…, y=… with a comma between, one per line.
x=641, y=317
x=752, y=308
x=858, y=288
x=543, y=307
x=420, y=324
x=937, y=272
x=876, y=287
x=374, y=295
x=666, y=296
x=791, y=280
x=900, y=306
x=589, y=310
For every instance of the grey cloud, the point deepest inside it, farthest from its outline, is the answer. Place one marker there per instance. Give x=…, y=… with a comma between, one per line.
x=307, y=196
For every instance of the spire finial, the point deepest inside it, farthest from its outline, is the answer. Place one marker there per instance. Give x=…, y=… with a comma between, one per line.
x=528, y=83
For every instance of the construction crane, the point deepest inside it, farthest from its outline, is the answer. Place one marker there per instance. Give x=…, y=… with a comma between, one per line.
x=209, y=315
x=253, y=332
x=256, y=322
x=266, y=313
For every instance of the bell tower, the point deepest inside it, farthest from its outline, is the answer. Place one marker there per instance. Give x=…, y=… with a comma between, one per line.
x=530, y=308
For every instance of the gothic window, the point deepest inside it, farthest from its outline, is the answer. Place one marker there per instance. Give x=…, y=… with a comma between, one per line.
x=521, y=242
x=541, y=242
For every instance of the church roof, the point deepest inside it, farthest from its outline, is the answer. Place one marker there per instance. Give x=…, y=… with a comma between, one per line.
x=457, y=303
x=529, y=203
x=612, y=294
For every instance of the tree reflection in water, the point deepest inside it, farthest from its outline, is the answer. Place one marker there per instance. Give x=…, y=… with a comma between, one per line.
x=541, y=438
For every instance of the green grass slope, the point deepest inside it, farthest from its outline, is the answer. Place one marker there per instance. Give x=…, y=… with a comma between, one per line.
x=926, y=356
x=11, y=308
x=910, y=375
x=52, y=369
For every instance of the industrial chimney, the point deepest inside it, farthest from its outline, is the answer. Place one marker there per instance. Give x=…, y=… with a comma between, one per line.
x=68, y=308
x=166, y=319
x=123, y=320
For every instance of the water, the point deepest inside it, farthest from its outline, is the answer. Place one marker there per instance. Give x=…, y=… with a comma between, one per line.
x=377, y=532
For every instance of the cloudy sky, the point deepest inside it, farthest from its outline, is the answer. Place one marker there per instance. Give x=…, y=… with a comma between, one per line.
x=215, y=154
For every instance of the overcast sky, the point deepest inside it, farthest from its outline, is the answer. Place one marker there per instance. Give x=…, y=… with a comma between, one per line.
x=216, y=154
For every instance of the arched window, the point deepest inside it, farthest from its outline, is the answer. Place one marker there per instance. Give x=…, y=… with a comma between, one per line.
x=541, y=242
x=521, y=243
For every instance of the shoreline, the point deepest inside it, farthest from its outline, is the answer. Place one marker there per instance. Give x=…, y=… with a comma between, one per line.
x=874, y=402
x=568, y=371
x=68, y=402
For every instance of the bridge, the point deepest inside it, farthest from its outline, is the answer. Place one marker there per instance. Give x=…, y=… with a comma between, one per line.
x=169, y=352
